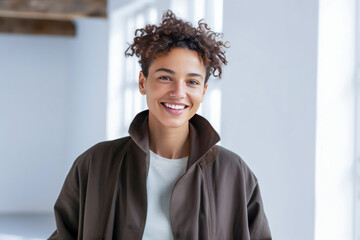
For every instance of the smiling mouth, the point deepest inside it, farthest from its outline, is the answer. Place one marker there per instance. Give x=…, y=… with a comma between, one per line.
x=175, y=106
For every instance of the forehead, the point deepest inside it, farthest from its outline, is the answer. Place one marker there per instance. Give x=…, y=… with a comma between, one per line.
x=179, y=60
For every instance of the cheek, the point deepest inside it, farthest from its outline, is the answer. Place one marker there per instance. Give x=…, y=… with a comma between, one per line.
x=153, y=95
x=197, y=96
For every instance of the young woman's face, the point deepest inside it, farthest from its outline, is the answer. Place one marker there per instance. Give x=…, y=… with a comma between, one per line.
x=174, y=87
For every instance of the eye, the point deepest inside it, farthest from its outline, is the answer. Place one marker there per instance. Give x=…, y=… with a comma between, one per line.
x=164, y=78
x=193, y=82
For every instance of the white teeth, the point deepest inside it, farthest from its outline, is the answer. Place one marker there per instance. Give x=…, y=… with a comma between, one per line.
x=173, y=106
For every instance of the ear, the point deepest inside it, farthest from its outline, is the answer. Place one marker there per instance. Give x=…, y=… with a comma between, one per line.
x=142, y=83
x=204, y=91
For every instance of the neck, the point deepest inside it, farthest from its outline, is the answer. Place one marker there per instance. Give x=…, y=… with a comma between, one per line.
x=172, y=143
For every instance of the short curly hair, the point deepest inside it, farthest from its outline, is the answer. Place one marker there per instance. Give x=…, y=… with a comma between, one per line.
x=153, y=41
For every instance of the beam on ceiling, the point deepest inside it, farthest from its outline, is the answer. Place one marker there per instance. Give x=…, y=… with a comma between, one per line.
x=37, y=26
x=52, y=9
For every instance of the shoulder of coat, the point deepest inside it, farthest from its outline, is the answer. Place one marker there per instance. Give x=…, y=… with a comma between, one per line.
x=228, y=159
x=103, y=150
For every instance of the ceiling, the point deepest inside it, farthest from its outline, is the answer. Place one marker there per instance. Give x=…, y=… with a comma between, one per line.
x=47, y=17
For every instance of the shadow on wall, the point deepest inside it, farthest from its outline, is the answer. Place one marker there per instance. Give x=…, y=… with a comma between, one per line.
x=26, y=226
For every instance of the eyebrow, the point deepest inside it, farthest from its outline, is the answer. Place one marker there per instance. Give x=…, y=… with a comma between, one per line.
x=173, y=73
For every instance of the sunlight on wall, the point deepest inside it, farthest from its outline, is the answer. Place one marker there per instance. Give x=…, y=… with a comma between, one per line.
x=200, y=10
x=181, y=8
x=357, y=124
x=218, y=15
x=335, y=122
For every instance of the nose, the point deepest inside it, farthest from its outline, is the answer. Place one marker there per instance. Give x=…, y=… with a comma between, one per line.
x=178, y=90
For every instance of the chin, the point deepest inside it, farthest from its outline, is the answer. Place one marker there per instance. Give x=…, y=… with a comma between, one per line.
x=174, y=124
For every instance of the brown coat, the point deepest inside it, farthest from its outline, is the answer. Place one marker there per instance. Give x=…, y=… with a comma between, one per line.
x=104, y=194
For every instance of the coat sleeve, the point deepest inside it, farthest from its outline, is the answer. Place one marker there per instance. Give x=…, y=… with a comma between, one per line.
x=67, y=207
x=258, y=224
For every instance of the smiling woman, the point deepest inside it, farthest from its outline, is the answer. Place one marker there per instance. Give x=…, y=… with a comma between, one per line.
x=174, y=90
x=168, y=179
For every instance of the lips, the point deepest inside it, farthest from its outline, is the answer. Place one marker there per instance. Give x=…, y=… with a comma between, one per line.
x=174, y=108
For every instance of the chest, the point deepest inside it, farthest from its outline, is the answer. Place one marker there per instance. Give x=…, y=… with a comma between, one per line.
x=201, y=204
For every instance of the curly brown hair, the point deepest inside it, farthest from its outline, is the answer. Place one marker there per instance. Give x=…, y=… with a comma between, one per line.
x=153, y=41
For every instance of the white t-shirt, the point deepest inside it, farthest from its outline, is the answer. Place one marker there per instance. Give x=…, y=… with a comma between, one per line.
x=162, y=176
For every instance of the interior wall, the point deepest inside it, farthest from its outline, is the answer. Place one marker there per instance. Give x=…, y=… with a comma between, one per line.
x=269, y=105
x=335, y=150
x=34, y=72
x=87, y=87
x=53, y=107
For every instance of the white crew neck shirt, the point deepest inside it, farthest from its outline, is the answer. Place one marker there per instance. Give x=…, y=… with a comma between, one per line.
x=162, y=176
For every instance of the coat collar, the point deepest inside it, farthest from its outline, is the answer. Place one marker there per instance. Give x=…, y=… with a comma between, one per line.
x=202, y=135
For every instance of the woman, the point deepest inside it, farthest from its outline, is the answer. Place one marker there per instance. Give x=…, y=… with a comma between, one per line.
x=168, y=179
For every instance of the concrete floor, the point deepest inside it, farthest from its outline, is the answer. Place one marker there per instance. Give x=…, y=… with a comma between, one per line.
x=26, y=226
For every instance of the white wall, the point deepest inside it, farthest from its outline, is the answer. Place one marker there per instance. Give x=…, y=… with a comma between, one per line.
x=269, y=99
x=53, y=107
x=33, y=84
x=335, y=153
x=87, y=87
